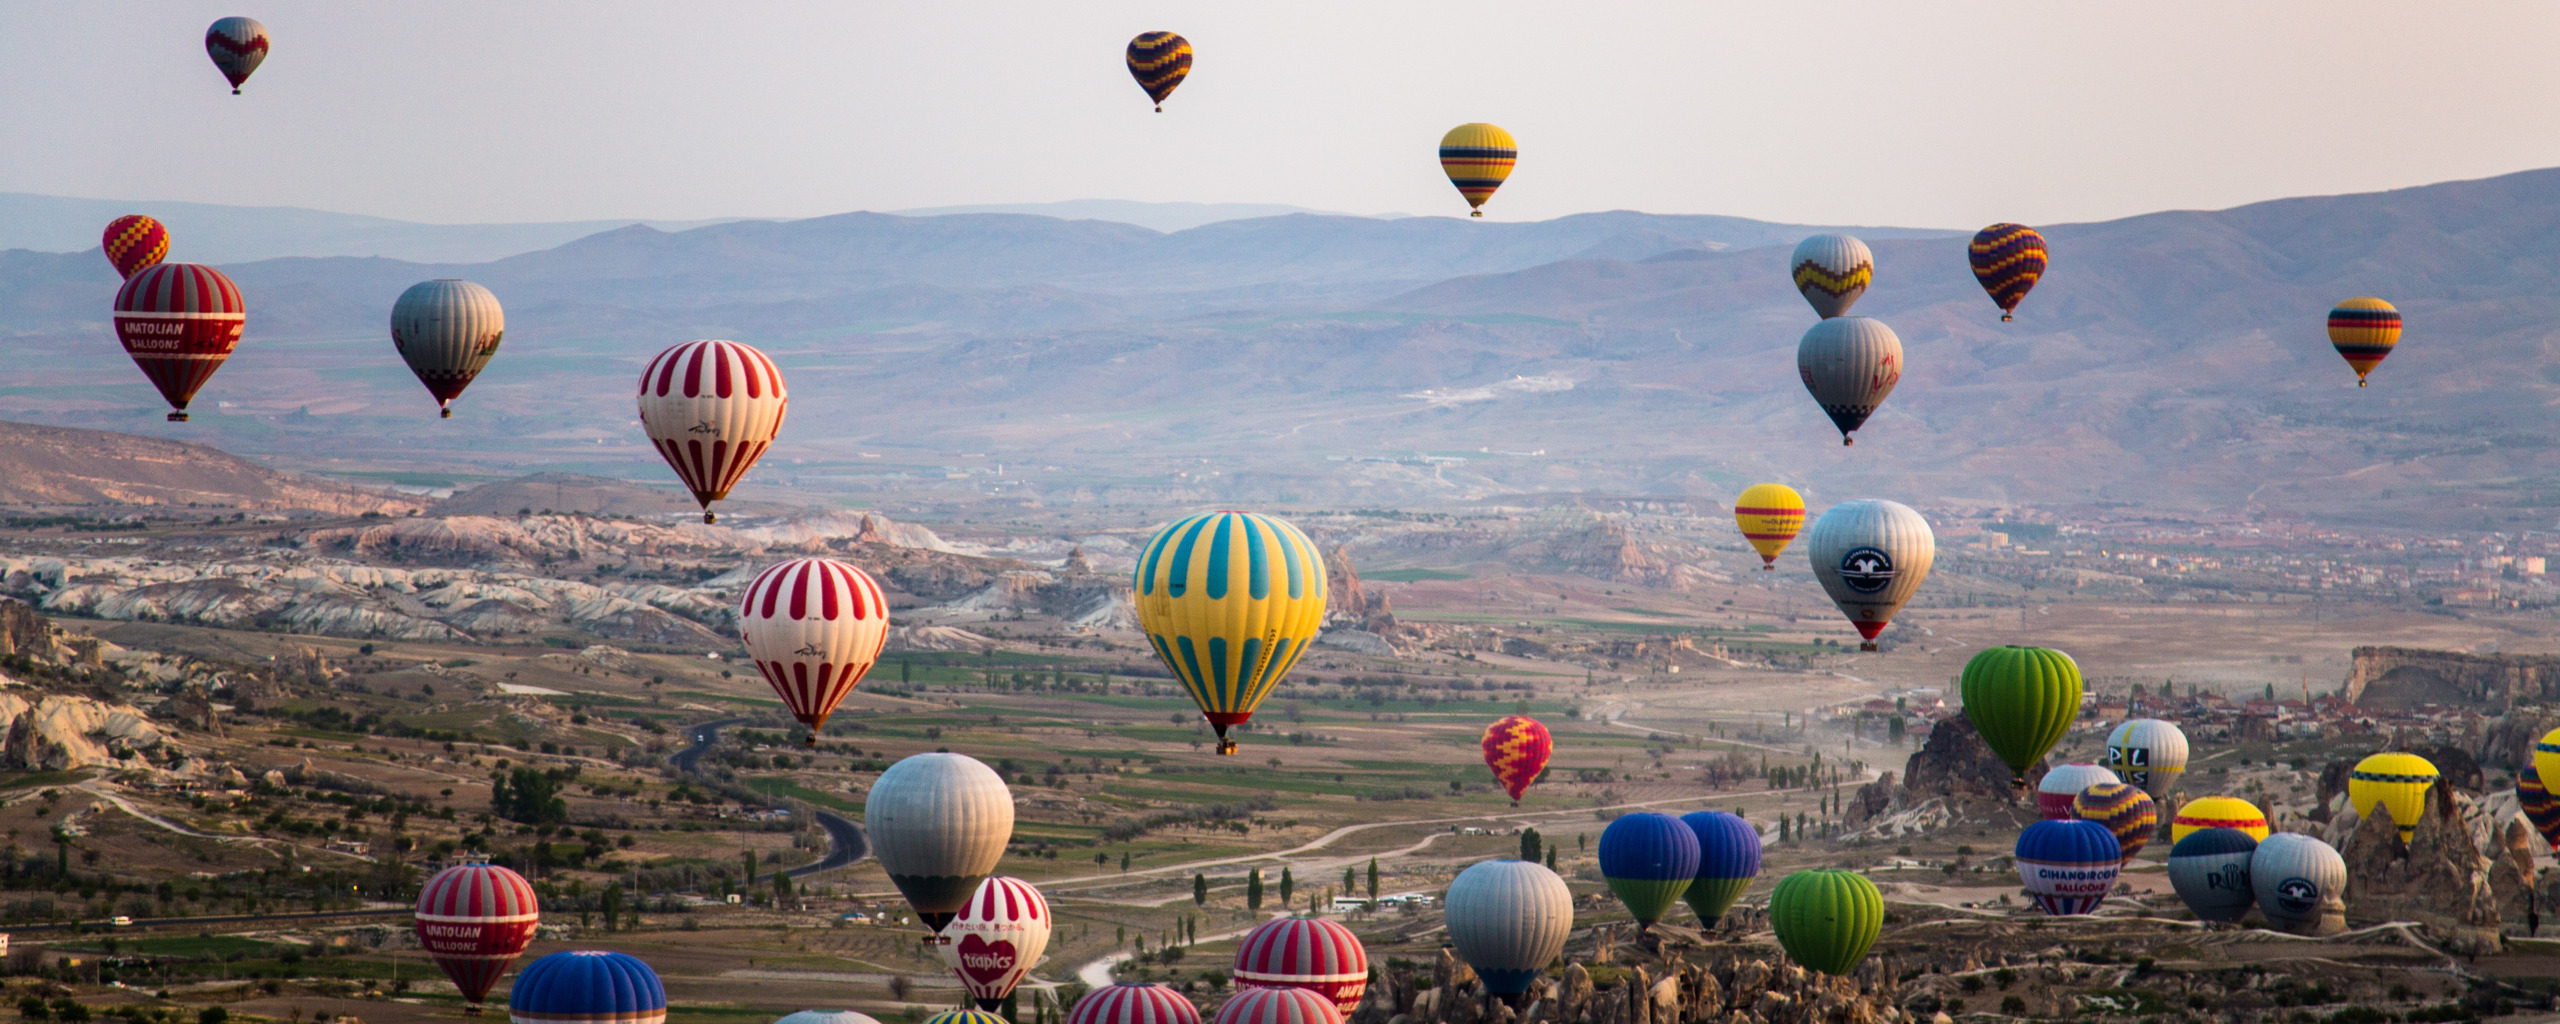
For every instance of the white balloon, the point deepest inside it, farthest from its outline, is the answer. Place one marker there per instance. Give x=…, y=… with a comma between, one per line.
x=938, y=824
x=2149, y=753
x=1850, y=364
x=1832, y=271
x=1871, y=556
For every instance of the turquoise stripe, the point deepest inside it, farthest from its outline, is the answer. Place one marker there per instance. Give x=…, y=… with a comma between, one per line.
x=1166, y=655
x=1278, y=664
x=1181, y=580
x=1257, y=561
x=1289, y=539
x=1146, y=569
x=1218, y=678
x=1191, y=659
x=1249, y=672
x=1218, y=559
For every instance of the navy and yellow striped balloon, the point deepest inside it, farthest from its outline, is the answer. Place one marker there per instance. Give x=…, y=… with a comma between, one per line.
x=1159, y=60
x=1478, y=158
x=1230, y=601
x=2007, y=259
x=2364, y=330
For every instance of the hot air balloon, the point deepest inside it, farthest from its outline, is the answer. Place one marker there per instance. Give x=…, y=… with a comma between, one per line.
x=1648, y=860
x=2546, y=756
x=1871, y=556
x=2068, y=866
x=1769, y=515
x=2063, y=784
x=2364, y=330
x=1508, y=920
x=1159, y=60
x=1125, y=1003
x=2149, y=753
x=938, y=823
x=1516, y=748
x=2301, y=884
x=587, y=986
x=2218, y=812
x=2539, y=807
x=1827, y=919
x=1832, y=271
x=1728, y=859
x=447, y=329
x=2007, y=259
x=133, y=242
x=968, y=1017
x=2021, y=699
x=237, y=46
x=1478, y=157
x=473, y=920
x=814, y=626
x=826, y=1017
x=1277, y=1006
x=1305, y=952
x=179, y=321
x=2125, y=811
x=2394, y=781
x=1849, y=363
x=2210, y=870
x=712, y=408
x=996, y=939
x=1230, y=601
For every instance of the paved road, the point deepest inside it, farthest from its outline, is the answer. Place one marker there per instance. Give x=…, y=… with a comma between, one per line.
x=704, y=736
x=847, y=845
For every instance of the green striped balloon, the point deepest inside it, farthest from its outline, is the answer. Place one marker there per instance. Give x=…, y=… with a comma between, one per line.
x=2022, y=699
x=1711, y=897
x=1827, y=918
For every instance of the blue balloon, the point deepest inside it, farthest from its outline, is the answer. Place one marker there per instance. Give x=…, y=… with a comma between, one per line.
x=587, y=986
x=1649, y=860
x=2210, y=870
x=2068, y=867
x=1728, y=847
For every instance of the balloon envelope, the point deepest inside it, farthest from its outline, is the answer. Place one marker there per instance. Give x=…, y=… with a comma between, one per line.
x=237, y=46
x=1305, y=952
x=1826, y=918
x=711, y=408
x=996, y=938
x=2124, y=810
x=938, y=823
x=826, y=1017
x=814, y=627
x=2022, y=699
x=2149, y=753
x=1159, y=61
x=447, y=329
x=2395, y=781
x=2364, y=331
x=1871, y=556
x=585, y=986
x=473, y=920
x=2210, y=871
x=1832, y=271
x=1230, y=601
x=133, y=242
x=1728, y=859
x=2301, y=884
x=1769, y=515
x=2218, y=812
x=1478, y=158
x=2007, y=260
x=1508, y=919
x=179, y=321
x=1132, y=1004
x=1516, y=747
x=1849, y=364
x=1649, y=860
x=2061, y=785
x=2539, y=807
x=2068, y=866
x=1277, y=1006
x=966, y=1017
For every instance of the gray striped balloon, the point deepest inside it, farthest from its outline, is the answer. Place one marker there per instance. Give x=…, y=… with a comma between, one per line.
x=447, y=329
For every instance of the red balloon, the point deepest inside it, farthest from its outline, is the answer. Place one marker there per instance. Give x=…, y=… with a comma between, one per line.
x=133, y=242
x=1277, y=1006
x=474, y=920
x=179, y=321
x=1309, y=953
x=814, y=627
x=1517, y=748
x=1125, y=1003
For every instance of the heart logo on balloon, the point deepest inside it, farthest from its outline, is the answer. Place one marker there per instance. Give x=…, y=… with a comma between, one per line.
x=986, y=964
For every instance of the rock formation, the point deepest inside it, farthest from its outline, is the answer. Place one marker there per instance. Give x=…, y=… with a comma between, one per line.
x=2402, y=678
x=1727, y=989
x=2439, y=877
x=1955, y=765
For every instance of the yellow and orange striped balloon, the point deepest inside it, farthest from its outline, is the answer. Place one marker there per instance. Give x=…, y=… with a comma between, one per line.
x=1769, y=515
x=1478, y=158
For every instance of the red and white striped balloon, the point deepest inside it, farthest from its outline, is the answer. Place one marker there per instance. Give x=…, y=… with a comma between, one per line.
x=712, y=408
x=179, y=321
x=997, y=938
x=814, y=627
x=1134, y=1004
x=1278, y=1006
x=1310, y=953
x=474, y=920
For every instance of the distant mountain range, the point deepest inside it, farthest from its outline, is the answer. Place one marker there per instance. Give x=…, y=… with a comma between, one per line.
x=2174, y=360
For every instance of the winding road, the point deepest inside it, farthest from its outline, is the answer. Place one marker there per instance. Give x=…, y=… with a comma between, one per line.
x=845, y=842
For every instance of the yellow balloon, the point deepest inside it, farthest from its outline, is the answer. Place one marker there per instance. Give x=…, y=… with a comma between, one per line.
x=1478, y=159
x=2546, y=755
x=2395, y=781
x=1769, y=515
x=2218, y=812
x=1230, y=601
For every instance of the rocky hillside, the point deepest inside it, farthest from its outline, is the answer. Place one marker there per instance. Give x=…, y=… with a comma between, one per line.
x=69, y=466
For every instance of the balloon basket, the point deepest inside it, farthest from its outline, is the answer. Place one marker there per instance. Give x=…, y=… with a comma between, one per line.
x=2005, y=318
x=1769, y=567
x=472, y=1009
x=1868, y=645
x=235, y=90
x=444, y=414
x=1226, y=748
x=178, y=417
x=707, y=517
x=1846, y=440
x=1475, y=213
x=810, y=741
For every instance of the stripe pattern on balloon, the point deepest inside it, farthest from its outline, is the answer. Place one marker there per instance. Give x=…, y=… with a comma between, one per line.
x=1310, y=953
x=237, y=45
x=1125, y=1003
x=712, y=408
x=997, y=937
x=179, y=321
x=814, y=627
x=588, y=986
x=473, y=920
x=2364, y=330
x=1478, y=158
x=1230, y=601
x=2007, y=259
x=1277, y=1006
x=1159, y=61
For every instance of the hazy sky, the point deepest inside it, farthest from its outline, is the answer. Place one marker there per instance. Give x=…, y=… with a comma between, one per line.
x=1927, y=114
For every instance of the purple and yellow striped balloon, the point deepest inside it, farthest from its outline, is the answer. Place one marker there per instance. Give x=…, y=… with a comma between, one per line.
x=2007, y=259
x=2124, y=809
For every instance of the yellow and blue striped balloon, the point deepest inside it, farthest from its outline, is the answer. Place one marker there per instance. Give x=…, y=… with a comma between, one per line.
x=1478, y=158
x=1230, y=601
